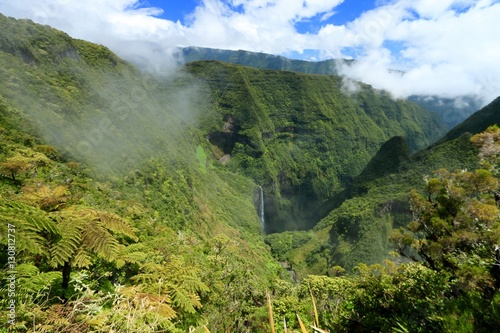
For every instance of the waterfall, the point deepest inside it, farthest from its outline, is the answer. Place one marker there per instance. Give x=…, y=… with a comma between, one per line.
x=261, y=207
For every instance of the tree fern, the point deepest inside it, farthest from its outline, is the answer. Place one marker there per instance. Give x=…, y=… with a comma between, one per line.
x=47, y=198
x=115, y=223
x=175, y=278
x=97, y=239
x=32, y=281
x=133, y=253
x=85, y=232
x=82, y=258
x=136, y=305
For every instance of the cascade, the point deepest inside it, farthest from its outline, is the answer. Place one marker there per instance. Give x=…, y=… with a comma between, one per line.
x=261, y=207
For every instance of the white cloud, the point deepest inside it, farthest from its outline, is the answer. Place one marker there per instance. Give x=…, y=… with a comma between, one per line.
x=447, y=47
x=448, y=53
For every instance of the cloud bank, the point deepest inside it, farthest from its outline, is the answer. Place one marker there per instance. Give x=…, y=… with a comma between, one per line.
x=447, y=48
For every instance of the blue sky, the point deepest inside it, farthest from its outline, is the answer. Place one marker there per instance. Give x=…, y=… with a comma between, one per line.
x=446, y=47
x=346, y=12
x=174, y=10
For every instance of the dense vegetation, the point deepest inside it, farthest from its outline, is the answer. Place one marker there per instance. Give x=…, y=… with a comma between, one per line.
x=378, y=200
x=300, y=136
x=124, y=199
x=132, y=200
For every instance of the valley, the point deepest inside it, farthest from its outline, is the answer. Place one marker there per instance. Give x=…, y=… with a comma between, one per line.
x=232, y=191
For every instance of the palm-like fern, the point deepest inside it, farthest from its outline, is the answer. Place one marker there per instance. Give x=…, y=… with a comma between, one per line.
x=85, y=232
x=45, y=197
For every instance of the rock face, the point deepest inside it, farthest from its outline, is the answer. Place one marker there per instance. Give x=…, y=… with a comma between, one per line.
x=225, y=138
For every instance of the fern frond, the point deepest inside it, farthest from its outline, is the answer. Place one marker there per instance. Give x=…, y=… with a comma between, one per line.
x=166, y=311
x=131, y=254
x=193, y=284
x=29, y=223
x=26, y=270
x=35, y=283
x=81, y=259
x=116, y=223
x=47, y=198
x=155, y=303
x=98, y=240
x=145, y=278
x=196, y=301
x=152, y=268
x=183, y=301
x=70, y=240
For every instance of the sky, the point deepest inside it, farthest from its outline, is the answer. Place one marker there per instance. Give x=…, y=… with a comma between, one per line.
x=447, y=48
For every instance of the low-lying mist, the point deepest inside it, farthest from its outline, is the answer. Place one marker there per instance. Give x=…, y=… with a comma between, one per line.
x=138, y=120
x=112, y=119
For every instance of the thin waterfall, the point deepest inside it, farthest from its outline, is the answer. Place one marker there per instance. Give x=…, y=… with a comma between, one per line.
x=261, y=208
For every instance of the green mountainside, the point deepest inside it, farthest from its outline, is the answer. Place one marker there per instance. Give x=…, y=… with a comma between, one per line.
x=128, y=201
x=378, y=199
x=452, y=111
x=300, y=136
x=477, y=122
x=104, y=174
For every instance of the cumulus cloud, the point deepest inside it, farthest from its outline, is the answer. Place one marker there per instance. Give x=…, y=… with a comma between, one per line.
x=448, y=47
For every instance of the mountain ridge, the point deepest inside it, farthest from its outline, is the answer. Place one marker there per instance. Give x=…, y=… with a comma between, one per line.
x=378, y=199
x=452, y=111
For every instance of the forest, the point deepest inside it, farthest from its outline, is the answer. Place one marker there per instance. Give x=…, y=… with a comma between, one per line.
x=229, y=198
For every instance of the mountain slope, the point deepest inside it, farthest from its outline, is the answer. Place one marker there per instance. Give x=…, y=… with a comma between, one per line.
x=477, y=122
x=132, y=197
x=358, y=230
x=452, y=111
x=300, y=136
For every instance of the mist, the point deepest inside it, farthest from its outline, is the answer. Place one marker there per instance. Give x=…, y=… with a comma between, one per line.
x=111, y=117
x=140, y=118
x=447, y=82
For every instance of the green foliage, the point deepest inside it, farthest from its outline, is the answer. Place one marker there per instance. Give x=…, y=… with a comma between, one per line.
x=455, y=228
x=377, y=202
x=283, y=243
x=452, y=111
x=201, y=156
x=102, y=165
x=30, y=225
